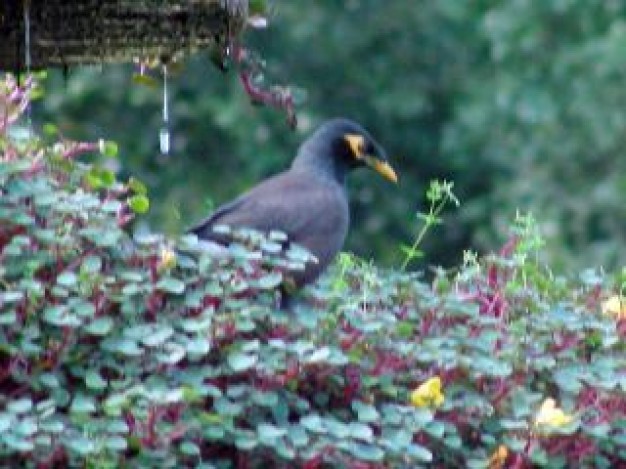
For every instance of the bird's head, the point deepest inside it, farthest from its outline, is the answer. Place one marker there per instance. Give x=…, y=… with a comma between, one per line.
x=340, y=145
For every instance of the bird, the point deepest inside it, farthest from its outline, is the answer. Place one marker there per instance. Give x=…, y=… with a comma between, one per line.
x=309, y=201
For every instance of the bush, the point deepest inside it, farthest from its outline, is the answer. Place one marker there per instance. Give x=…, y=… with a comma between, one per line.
x=144, y=351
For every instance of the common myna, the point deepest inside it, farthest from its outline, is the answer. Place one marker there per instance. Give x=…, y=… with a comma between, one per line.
x=309, y=201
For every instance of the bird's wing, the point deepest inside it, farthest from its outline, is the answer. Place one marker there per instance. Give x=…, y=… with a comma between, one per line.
x=286, y=202
x=212, y=220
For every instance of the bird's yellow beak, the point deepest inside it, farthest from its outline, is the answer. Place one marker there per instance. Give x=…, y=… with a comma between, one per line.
x=356, y=143
x=381, y=167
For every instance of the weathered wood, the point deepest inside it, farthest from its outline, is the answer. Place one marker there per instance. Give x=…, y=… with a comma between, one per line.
x=81, y=32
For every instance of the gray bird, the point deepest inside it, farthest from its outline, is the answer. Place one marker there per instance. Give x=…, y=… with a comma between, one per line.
x=309, y=201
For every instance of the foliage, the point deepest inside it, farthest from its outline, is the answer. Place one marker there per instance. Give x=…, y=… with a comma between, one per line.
x=439, y=194
x=150, y=352
x=483, y=93
x=545, y=112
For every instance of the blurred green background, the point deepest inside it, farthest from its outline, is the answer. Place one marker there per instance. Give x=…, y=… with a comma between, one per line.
x=521, y=103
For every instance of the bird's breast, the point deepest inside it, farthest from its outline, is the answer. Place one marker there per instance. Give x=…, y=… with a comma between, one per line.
x=323, y=233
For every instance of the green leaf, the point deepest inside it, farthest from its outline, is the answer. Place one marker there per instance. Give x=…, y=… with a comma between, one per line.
x=109, y=149
x=171, y=285
x=7, y=319
x=189, y=448
x=137, y=187
x=405, y=329
x=82, y=404
x=49, y=380
x=215, y=433
x=283, y=450
x=366, y=413
x=93, y=380
x=418, y=452
x=98, y=178
x=20, y=406
x=108, y=237
x=271, y=247
x=225, y=407
x=360, y=431
x=268, y=433
x=50, y=129
x=366, y=452
x=198, y=323
x=491, y=367
x=298, y=436
x=240, y=361
x=67, y=279
x=117, y=426
x=80, y=445
x=60, y=316
x=11, y=297
x=44, y=407
x=84, y=309
x=277, y=236
x=270, y=281
x=122, y=346
x=26, y=427
x=42, y=440
x=17, y=443
x=130, y=289
x=139, y=203
x=410, y=252
x=100, y=326
x=453, y=441
x=112, y=206
x=509, y=424
x=599, y=431
x=313, y=423
x=540, y=457
x=172, y=354
x=52, y=426
x=265, y=398
x=567, y=379
x=198, y=347
x=246, y=443
x=150, y=335
x=114, y=404
x=47, y=199
x=116, y=443
x=436, y=429
x=6, y=420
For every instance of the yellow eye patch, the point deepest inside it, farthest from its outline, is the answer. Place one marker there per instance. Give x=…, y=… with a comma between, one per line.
x=356, y=143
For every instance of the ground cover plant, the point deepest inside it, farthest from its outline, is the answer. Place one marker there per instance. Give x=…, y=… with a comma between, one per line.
x=138, y=350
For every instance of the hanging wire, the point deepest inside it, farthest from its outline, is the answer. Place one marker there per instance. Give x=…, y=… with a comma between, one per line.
x=27, y=57
x=164, y=133
x=22, y=131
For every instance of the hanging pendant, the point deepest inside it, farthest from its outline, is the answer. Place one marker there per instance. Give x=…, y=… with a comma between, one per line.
x=164, y=133
x=164, y=140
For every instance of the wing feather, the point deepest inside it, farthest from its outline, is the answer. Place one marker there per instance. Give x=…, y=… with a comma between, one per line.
x=287, y=202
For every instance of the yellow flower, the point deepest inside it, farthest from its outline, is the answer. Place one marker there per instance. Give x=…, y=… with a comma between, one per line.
x=550, y=414
x=498, y=458
x=615, y=306
x=167, y=260
x=428, y=394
